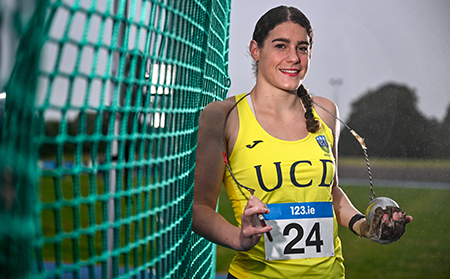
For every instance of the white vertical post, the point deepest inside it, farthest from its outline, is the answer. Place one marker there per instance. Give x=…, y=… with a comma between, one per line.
x=336, y=83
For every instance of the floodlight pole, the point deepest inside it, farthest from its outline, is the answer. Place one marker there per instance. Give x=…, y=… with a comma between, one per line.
x=336, y=83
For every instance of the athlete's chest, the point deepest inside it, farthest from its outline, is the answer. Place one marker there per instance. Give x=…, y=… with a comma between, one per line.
x=272, y=165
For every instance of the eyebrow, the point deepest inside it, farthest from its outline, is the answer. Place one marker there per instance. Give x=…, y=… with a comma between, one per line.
x=285, y=40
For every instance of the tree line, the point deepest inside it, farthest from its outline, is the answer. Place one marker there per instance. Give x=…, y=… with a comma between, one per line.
x=392, y=126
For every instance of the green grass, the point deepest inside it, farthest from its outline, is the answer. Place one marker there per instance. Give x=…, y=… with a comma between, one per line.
x=396, y=162
x=423, y=251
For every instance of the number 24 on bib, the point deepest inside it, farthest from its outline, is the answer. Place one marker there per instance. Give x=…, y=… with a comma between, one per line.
x=300, y=230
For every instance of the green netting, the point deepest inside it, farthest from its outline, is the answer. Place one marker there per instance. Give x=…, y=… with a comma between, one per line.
x=99, y=135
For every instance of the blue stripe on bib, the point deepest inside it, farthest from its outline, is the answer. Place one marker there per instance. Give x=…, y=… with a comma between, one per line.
x=280, y=211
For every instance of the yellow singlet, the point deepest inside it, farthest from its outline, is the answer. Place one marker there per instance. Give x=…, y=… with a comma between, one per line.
x=294, y=178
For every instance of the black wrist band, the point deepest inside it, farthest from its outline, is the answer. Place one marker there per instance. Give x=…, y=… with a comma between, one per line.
x=354, y=220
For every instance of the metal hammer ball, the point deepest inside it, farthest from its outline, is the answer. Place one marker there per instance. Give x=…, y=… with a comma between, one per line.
x=382, y=202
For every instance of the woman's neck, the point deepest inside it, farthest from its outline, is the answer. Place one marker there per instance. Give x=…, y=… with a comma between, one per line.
x=280, y=115
x=275, y=100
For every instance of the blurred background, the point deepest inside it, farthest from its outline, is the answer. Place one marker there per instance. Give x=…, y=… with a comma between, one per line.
x=360, y=46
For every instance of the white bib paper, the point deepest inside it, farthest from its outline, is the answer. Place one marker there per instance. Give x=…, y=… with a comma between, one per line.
x=300, y=230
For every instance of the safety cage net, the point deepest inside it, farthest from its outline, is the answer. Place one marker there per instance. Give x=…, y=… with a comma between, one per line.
x=99, y=106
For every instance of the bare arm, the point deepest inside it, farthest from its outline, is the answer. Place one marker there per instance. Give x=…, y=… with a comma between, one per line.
x=209, y=173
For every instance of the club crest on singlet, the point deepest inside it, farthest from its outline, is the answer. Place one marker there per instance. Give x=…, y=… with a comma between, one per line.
x=322, y=141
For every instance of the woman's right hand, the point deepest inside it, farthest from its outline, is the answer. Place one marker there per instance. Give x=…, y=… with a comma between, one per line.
x=251, y=228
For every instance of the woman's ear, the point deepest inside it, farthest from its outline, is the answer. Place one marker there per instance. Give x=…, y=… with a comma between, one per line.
x=254, y=50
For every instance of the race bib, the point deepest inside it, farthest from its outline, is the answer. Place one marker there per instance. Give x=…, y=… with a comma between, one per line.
x=300, y=230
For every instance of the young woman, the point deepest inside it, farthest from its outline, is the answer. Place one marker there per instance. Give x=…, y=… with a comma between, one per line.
x=281, y=150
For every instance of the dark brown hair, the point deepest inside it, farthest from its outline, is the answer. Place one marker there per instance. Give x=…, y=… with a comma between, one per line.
x=269, y=21
x=276, y=16
x=312, y=123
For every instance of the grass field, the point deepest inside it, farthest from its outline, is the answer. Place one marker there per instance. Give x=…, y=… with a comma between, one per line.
x=423, y=251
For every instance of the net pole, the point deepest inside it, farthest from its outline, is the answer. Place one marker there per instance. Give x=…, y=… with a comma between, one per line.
x=114, y=145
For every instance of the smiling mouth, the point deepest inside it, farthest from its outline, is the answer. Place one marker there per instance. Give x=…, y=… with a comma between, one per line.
x=290, y=71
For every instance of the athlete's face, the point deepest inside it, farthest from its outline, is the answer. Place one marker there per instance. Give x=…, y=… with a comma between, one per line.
x=283, y=60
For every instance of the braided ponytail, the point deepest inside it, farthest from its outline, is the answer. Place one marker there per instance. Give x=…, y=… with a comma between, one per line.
x=312, y=123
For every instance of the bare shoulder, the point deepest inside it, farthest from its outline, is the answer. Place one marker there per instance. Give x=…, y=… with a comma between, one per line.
x=217, y=110
x=327, y=110
x=325, y=103
x=213, y=118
